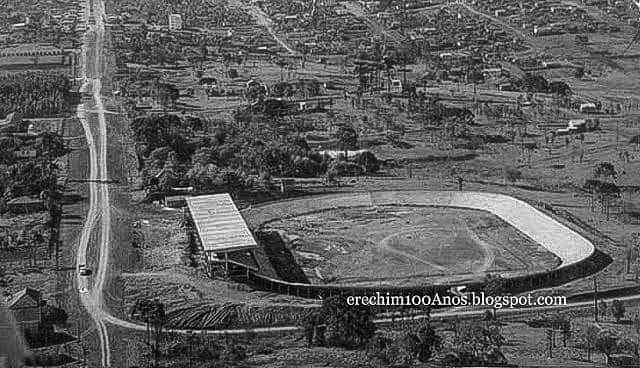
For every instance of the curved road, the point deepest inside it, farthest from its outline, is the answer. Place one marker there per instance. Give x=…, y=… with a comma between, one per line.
x=98, y=218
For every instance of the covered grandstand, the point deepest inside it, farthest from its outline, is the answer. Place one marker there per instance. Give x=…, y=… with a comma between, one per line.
x=221, y=233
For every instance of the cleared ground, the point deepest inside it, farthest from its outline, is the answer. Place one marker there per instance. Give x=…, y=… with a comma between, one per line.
x=406, y=245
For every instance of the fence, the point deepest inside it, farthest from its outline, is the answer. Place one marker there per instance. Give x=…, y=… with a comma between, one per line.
x=579, y=257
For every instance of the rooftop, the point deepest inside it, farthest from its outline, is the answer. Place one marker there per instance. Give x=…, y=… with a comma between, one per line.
x=29, y=293
x=219, y=223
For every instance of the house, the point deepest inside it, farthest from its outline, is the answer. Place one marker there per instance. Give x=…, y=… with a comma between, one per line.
x=588, y=108
x=25, y=153
x=573, y=126
x=176, y=201
x=26, y=306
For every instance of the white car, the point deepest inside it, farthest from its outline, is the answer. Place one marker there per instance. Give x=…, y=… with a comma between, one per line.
x=83, y=290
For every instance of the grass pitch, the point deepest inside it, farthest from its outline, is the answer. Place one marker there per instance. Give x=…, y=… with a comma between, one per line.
x=406, y=245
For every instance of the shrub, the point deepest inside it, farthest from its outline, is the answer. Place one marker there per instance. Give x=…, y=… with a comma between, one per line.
x=511, y=174
x=344, y=168
x=368, y=161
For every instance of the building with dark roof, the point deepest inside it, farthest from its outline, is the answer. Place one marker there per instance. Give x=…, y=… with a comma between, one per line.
x=26, y=306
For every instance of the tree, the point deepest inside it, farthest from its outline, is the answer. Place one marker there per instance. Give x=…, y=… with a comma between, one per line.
x=155, y=130
x=494, y=285
x=494, y=341
x=392, y=352
x=550, y=341
x=51, y=144
x=618, y=310
x=424, y=342
x=589, y=336
x=166, y=95
x=158, y=318
x=606, y=343
x=368, y=161
x=511, y=174
x=205, y=177
x=482, y=342
x=158, y=157
x=604, y=170
x=603, y=309
x=532, y=83
x=631, y=253
x=347, y=139
x=559, y=88
x=52, y=315
x=347, y=326
x=143, y=310
x=565, y=328
x=311, y=324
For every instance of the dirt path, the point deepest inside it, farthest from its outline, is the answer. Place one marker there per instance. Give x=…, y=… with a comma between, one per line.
x=263, y=20
x=386, y=245
x=487, y=250
x=357, y=11
x=493, y=19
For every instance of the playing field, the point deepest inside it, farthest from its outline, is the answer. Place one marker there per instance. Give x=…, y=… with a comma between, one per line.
x=407, y=245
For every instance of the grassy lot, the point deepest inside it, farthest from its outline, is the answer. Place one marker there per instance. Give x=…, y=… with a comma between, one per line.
x=407, y=245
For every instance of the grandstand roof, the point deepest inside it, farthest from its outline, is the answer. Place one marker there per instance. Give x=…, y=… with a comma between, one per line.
x=219, y=223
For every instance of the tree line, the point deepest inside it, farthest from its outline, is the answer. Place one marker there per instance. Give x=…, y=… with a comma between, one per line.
x=34, y=93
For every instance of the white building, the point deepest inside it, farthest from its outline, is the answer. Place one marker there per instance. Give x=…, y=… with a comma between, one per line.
x=175, y=22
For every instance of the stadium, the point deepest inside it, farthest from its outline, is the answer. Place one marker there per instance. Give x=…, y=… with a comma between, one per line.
x=399, y=241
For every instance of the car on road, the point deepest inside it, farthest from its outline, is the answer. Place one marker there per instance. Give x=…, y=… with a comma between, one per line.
x=83, y=290
x=84, y=271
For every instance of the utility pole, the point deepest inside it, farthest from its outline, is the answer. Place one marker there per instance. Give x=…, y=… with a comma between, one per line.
x=595, y=297
x=617, y=135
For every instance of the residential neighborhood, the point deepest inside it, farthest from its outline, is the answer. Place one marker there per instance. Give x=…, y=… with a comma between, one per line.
x=319, y=183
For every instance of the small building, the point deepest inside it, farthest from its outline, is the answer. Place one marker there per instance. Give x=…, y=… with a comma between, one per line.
x=285, y=184
x=26, y=306
x=177, y=201
x=32, y=54
x=588, y=108
x=25, y=153
x=574, y=126
x=175, y=22
x=578, y=125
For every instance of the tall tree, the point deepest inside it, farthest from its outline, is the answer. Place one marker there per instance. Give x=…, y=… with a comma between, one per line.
x=347, y=139
x=347, y=326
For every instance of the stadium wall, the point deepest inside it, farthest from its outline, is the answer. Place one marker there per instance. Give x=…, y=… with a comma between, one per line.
x=579, y=257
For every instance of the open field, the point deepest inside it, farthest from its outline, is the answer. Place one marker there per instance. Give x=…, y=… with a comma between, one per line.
x=407, y=245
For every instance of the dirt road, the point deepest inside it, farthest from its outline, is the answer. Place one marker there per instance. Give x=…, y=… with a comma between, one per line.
x=357, y=11
x=263, y=20
x=493, y=19
x=94, y=124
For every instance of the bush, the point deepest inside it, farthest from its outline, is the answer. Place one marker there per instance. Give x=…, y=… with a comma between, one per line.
x=345, y=168
x=511, y=174
x=52, y=315
x=368, y=161
x=618, y=310
x=476, y=142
